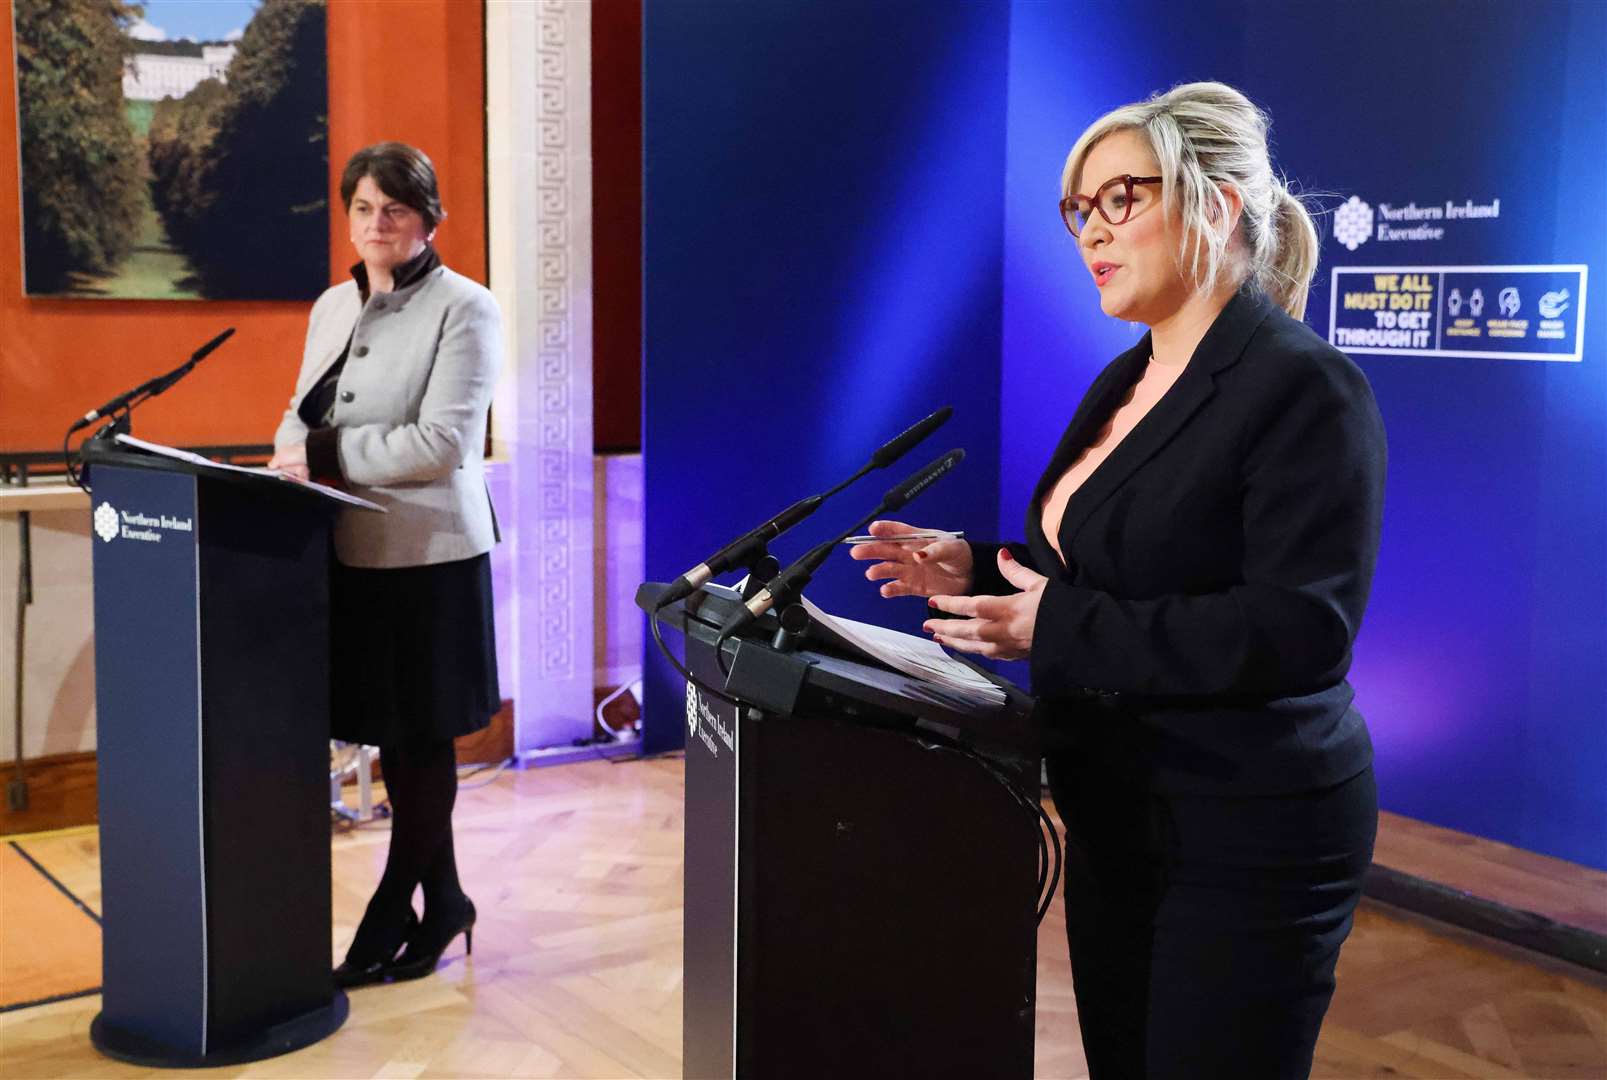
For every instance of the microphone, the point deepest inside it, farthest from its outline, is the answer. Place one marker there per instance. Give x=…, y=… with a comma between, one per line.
x=918, y=483
x=206, y=350
x=151, y=387
x=912, y=436
x=189, y=365
x=896, y=448
x=785, y=587
x=738, y=550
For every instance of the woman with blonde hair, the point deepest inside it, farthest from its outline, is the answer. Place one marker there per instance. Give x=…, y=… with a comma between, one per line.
x=1198, y=558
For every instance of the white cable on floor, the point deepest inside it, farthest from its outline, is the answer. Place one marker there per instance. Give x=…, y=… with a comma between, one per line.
x=635, y=688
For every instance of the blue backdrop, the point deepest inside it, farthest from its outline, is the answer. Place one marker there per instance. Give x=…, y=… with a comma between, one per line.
x=826, y=258
x=821, y=260
x=1482, y=666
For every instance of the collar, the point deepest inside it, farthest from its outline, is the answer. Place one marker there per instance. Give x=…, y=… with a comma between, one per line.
x=1221, y=347
x=1227, y=337
x=409, y=273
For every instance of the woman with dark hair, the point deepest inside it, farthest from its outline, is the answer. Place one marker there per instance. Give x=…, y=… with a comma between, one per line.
x=1198, y=559
x=391, y=402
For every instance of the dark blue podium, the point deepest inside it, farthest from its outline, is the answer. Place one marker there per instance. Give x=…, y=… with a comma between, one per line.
x=862, y=864
x=212, y=701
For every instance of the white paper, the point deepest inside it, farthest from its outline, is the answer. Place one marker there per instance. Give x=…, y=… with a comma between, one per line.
x=255, y=470
x=917, y=657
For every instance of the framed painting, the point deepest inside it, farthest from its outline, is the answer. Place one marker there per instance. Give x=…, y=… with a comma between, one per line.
x=173, y=150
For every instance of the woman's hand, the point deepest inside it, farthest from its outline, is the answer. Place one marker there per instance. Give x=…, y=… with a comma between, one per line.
x=999, y=627
x=916, y=569
x=292, y=461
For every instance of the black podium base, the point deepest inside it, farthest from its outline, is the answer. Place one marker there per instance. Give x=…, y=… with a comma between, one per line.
x=293, y=1034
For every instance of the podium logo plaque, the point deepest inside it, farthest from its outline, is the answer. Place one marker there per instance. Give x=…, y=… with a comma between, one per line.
x=106, y=522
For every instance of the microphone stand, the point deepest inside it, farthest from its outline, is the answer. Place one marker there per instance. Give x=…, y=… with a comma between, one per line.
x=785, y=589
x=121, y=407
x=761, y=569
x=752, y=551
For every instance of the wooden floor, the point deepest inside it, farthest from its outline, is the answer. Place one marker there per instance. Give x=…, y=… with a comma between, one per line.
x=576, y=871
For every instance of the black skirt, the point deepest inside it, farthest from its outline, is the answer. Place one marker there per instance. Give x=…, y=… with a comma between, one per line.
x=415, y=652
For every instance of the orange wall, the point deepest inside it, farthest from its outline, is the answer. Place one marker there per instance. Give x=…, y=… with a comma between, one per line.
x=412, y=70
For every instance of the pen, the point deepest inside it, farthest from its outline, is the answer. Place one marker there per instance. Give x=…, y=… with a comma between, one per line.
x=926, y=534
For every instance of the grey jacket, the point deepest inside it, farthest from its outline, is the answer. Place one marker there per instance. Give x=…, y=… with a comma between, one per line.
x=410, y=413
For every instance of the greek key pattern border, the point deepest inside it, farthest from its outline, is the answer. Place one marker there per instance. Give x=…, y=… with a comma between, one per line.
x=555, y=427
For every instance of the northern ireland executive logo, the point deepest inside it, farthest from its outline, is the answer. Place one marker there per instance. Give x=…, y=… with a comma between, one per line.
x=705, y=725
x=106, y=522
x=1353, y=223
x=1357, y=221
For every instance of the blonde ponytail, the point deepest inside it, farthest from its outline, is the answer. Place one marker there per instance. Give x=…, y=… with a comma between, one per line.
x=1286, y=273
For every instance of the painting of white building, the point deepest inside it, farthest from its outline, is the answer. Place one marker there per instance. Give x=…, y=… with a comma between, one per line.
x=153, y=132
x=151, y=76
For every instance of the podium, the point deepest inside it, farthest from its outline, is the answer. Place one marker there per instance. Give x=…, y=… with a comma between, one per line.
x=862, y=866
x=211, y=604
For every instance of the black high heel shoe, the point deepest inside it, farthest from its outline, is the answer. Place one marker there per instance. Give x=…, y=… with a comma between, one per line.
x=357, y=971
x=425, y=946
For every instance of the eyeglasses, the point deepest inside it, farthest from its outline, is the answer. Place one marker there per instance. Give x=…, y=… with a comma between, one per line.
x=1113, y=200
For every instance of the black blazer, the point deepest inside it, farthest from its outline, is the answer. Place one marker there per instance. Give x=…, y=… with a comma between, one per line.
x=1217, y=565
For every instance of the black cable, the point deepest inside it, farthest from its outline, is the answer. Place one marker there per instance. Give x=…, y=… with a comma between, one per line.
x=118, y=416
x=658, y=636
x=719, y=658
x=1054, y=838
x=1041, y=820
x=1043, y=862
x=72, y=469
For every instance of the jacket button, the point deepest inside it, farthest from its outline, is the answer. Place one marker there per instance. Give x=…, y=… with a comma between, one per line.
x=361, y=350
x=347, y=396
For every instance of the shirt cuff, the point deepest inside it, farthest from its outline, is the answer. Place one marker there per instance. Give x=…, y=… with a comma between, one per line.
x=323, y=453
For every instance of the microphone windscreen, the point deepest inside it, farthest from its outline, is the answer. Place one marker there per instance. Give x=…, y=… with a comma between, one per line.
x=206, y=349
x=906, y=442
x=920, y=481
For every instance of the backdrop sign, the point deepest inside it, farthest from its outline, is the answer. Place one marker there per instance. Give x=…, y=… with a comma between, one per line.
x=1482, y=312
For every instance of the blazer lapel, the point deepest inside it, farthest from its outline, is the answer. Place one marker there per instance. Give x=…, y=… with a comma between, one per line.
x=1220, y=348
x=1092, y=414
x=330, y=356
x=1096, y=407
x=333, y=347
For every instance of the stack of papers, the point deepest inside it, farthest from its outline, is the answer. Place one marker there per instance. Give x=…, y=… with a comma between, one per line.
x=914, y=656
x=196, y=459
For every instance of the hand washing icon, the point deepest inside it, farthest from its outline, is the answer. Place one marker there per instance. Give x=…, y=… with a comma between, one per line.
x=1554, y=303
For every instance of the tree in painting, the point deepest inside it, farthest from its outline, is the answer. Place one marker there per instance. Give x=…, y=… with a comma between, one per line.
x=240, y=170
x=82, y=197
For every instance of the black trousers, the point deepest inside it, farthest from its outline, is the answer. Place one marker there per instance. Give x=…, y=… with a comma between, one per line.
x=1204, y=930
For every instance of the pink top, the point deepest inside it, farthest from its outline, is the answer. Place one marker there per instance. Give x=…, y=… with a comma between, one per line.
x=1150, y=388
